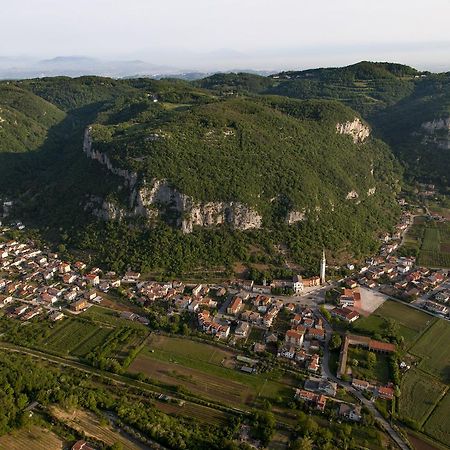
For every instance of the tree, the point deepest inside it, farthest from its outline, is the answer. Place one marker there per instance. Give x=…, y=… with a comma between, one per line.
x=304, y=443
x=371, y=360
x=336, y=341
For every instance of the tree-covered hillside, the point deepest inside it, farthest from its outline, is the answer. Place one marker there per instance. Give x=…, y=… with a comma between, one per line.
x=395, y=99
x=268, y=153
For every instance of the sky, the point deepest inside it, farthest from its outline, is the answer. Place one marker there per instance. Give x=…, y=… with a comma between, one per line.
x=221, y=34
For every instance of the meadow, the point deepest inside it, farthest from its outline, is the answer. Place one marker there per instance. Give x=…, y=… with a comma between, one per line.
x=420, y=394
x=433, y=349
x=208, y=371
x=33, y=437
x=431, y=241
x=411, y=322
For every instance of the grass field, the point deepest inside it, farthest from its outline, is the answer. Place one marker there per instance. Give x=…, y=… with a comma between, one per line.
x=380, y=371
x=206, y=370
x=411, y=322
x=70, y=335
x=110, y=317
x=432, y=242
x=86, y=345
x=419, y=395
x=438, y=425
x=89, y=424
x=31, y=438
x=434, y=350
x=189, y=410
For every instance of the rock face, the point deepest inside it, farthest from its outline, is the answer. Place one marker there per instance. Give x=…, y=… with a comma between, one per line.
x=437, y=132
x=352, y=195
x=130, y=177
x=356, y=129
x=296, y=216
x=146, y=200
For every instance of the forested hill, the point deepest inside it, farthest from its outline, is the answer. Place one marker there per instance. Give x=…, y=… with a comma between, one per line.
x=405, y=107
x=259, y=171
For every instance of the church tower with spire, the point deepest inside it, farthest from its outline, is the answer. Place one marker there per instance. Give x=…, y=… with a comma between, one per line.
x=323, y=265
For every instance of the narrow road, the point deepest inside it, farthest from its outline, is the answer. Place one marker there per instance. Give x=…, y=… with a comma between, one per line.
x=397, y=438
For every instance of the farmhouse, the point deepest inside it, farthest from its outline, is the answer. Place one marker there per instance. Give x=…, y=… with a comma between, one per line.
x=294, y=338
x=318, y=400
x=349, y=297
x=235, y=306
x=350, y=412
x=79, y=305
x=364, y=342
x=346, y=314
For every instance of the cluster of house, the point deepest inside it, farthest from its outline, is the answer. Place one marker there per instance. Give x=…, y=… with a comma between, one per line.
x=439, y=304
x=211, y=326
x=303, y=340
x=317, y=391
x=37, y=281
x=399, y=276
x=384, y=392
x=297, y=284
x=262, y=309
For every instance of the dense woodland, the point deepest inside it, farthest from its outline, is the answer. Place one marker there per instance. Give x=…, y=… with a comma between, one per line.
x=229, y=137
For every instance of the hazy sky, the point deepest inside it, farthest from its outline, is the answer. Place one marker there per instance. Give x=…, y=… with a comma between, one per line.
x=254, y=33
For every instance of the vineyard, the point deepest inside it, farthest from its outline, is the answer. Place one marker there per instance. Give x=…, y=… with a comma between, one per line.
x=431, y=241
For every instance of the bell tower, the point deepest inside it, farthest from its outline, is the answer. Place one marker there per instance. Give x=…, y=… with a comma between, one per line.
x=323, y=266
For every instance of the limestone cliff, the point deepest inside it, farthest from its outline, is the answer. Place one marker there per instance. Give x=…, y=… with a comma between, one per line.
x=356, y=129
x=437, y=132
x=147, y=198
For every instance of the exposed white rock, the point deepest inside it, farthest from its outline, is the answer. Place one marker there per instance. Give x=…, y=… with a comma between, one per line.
x=371, y=191
x=356, y=129
x=437, y=132
x=352, y=195
x=145, y=198
x=130, y=177
x=296, y=216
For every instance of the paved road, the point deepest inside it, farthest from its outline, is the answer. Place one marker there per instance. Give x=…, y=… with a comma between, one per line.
x=349, y=388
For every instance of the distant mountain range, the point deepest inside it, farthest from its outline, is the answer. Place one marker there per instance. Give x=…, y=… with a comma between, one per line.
x=75, y=66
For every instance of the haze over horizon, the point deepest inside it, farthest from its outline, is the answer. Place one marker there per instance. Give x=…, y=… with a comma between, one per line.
x=212, y=35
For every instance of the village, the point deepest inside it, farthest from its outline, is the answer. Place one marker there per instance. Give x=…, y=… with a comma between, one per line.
x=296, y=330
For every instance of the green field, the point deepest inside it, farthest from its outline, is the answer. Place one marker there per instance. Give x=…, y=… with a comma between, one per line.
x=419, y=395
x=86, y=345
x=208, y=371
x=433, y=348
x=32, y=438
x=70, y=335
x=438, y=425
x=379, y=372
x=110, y=317
x=411, y=322
x=431, y=241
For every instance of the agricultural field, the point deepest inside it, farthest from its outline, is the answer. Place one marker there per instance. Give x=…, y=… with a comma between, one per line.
x=434, y=350
x=69, y=336
x=411, y=322
x=419, y=395
x=431, y=241
x=437, y=426
x=90, y=425
x=207, y=371
x=190, y=410
x=109, y=317
x=31, y=438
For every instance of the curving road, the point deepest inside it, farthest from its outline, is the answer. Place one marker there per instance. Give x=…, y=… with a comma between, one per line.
x=326, y=372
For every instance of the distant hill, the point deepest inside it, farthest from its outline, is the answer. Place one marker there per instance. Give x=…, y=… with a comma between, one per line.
x=398, y=101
